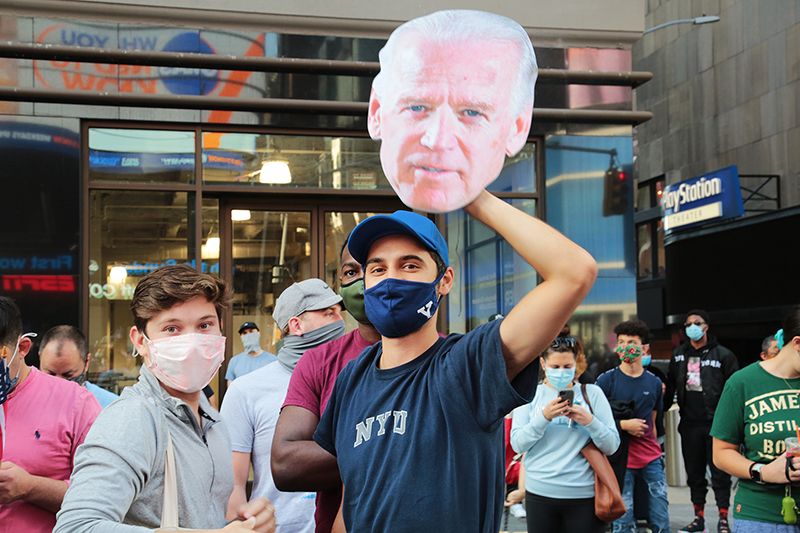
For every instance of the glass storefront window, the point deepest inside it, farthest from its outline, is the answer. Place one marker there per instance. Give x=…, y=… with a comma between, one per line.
x=519, y=172
x=210, y=244
x=576, y=168
x=660, y=249
x=271, y=250
x=490, y=277
x=301, y=161
x=644, y=250
x=130, y=234
x=141, y=156
x=649, y=195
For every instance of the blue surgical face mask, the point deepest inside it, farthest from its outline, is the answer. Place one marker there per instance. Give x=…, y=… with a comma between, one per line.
x=646, y=359
x=398, y=307
x=560, y=378
x=695, y=332
x=6, y=383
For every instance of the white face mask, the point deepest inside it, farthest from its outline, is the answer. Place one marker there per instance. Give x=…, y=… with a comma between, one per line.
x=186, y=363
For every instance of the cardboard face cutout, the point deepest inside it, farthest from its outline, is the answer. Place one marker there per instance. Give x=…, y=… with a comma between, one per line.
x=454, y=97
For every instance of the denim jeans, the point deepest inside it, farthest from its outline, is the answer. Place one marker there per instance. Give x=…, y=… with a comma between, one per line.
x=653, y=476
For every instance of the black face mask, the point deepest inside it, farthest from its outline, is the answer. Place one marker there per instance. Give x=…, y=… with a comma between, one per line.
x=79, y=379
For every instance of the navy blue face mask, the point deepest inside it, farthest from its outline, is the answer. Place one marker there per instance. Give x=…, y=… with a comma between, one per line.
x=398, y=307
x=6, y=383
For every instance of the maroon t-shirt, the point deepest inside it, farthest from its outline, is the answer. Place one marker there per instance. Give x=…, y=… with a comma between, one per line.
x=310, y=387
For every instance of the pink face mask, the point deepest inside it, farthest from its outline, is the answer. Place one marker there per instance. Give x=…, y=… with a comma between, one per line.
x=186, y=362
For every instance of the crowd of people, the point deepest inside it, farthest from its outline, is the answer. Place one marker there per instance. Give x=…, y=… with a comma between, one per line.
x=394, y=427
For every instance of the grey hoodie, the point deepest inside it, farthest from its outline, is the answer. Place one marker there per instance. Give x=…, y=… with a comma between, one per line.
x=117, y=484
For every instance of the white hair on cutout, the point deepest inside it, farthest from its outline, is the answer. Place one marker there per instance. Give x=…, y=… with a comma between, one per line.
x=464, y=25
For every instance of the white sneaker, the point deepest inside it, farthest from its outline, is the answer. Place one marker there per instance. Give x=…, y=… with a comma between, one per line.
x=518, y=510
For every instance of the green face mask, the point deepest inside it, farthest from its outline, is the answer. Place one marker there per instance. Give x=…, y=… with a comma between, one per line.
x=353, y=299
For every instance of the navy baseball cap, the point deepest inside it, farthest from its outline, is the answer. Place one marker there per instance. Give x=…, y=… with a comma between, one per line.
x=403, y=222
x=247, y=325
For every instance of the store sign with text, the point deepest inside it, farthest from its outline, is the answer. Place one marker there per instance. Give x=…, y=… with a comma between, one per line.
x=708, y=198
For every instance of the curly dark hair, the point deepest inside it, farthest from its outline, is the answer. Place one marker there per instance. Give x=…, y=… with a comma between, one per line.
x=634, y=328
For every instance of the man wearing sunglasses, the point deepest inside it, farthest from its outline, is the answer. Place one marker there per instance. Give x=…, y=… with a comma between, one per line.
x=698, y=371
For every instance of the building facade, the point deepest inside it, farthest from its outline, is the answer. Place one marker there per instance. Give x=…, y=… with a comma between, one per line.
x=723, y=94
x=134, y=135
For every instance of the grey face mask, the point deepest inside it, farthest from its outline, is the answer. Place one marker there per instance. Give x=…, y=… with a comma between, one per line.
x=252, y=341
x=295, y=346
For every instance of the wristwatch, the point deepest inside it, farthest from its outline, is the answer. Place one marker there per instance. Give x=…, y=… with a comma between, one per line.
x=755, y=473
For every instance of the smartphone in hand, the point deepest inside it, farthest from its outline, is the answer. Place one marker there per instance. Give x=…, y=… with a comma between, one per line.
x=567, y=394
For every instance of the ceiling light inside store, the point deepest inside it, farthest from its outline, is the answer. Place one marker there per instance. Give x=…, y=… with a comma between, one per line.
x=238, y=215
x=275, y=173
x=118, y=274
x=212, y=245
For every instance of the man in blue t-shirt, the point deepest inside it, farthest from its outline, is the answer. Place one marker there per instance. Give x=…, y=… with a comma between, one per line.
x=416, y=421
x=630, y=382
x=252, y=358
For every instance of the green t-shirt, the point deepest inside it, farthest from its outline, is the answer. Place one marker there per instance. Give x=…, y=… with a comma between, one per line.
x=758, y=410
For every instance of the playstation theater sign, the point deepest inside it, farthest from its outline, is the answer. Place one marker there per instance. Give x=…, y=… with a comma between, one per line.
x=145, y=79
x=708, y=198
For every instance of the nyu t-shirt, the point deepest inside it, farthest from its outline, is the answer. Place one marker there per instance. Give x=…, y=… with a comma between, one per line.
x=245, y=363
x=758, y=410
x=250, y=410
x=421, y=445
x=47, y=418
x=646, y=392
x=311, y=387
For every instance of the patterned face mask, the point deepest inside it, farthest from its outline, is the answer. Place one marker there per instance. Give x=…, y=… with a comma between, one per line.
x=6, y=383
x=628, y=353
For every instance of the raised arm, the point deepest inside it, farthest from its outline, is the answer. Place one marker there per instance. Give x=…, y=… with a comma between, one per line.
x=299, y=463
x=568, y=271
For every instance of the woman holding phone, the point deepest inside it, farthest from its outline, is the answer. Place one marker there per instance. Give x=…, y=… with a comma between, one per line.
x=551, y=431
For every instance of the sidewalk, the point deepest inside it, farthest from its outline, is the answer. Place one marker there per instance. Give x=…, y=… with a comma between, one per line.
x=681, y=512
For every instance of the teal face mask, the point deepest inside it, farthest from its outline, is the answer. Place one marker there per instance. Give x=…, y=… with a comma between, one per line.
x=695, y=332
x=560, y=378
x=646, y=359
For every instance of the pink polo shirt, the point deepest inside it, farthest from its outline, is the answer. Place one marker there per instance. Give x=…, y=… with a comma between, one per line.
x=46, y=419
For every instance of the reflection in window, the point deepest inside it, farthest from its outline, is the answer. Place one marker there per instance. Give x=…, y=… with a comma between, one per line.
x=141, y=156
x=130, y=234
x=271, y=250
x=292, y=161
x=519, y=172
x=650, y=262
x=644, y=250
x=660, y=249
x=649, y=195
x=490, y=277
x=576, y=167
